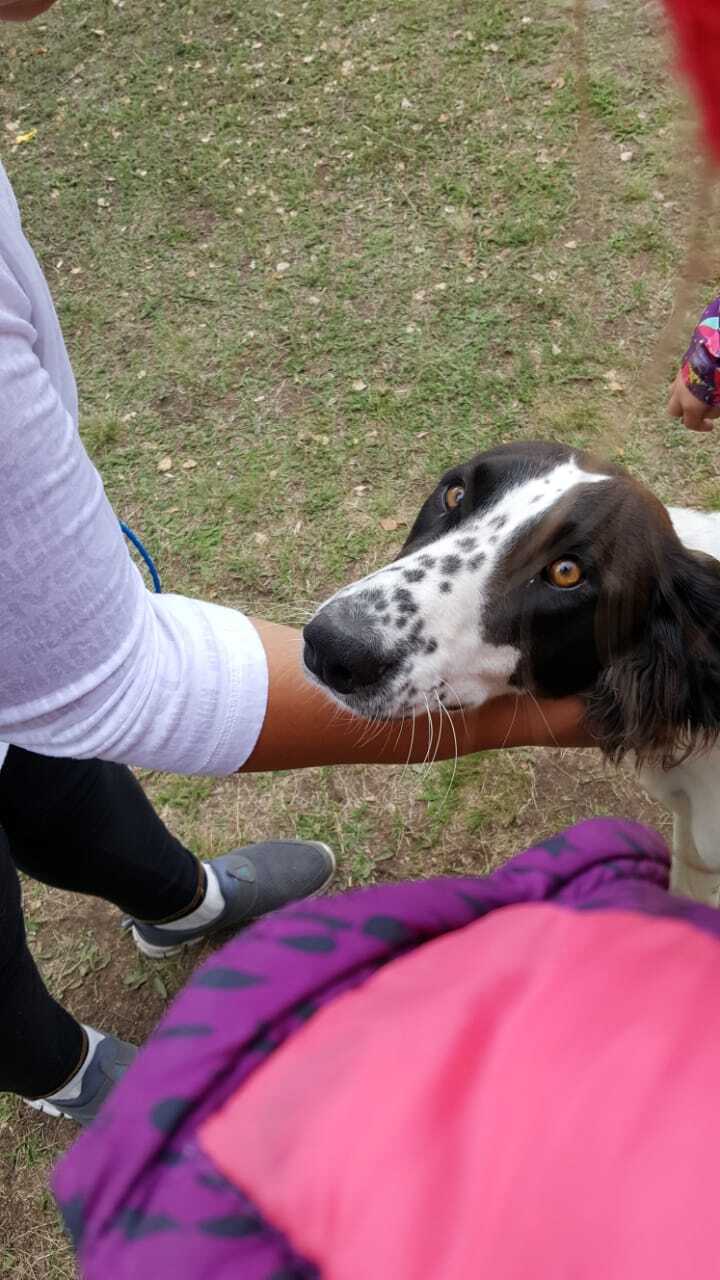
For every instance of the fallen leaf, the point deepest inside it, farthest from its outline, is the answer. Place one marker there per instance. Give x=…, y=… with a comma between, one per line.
x=613, y=382
x=165, y=464
x=282, y=267
x=389, y=525
x=159, y=986
x=359, y=385
x=135, y=979
x=188, y=466
x=21, y=138
x=571, y=244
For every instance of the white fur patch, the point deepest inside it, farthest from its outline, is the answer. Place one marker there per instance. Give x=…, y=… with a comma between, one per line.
x=698, y=530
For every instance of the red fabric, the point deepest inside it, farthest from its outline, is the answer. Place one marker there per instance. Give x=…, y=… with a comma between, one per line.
x=530, y=1097
x=697, y=28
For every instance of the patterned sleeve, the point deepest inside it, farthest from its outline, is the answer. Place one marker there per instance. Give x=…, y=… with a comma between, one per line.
x=701, y=363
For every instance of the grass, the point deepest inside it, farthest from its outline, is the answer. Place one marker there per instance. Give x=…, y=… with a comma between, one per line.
x=313, y=255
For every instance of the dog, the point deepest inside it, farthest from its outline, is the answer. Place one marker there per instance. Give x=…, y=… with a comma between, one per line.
x=534, y=569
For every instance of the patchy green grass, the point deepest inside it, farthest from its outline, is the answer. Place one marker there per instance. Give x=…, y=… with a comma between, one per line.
x=305, y=258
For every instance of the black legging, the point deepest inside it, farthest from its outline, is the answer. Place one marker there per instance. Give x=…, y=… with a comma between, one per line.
x=86, y=826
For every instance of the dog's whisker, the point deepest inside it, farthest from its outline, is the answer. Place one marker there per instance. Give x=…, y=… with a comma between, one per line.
x=380, y=724
x=431, y=730
x=376, y=726
x=543, y=717
x=409, y=754
x=438, y=743
x=511, y=726
x=370, y=731
x=458, y=705
x=429, y=762
x=401, y=726
x=451, y=783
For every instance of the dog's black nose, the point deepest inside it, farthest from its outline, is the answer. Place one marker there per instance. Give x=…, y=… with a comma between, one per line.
x=343, y=653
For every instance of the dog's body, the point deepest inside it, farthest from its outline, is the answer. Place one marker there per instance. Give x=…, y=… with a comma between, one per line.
x=532, y=569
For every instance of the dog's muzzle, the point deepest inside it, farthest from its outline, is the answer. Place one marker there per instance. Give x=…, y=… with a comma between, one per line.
x=344, y=651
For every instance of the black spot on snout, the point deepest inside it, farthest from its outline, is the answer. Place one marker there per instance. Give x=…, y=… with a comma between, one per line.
x=404, y=600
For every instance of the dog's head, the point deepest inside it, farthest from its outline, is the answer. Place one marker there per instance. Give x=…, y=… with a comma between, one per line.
x=531, y=568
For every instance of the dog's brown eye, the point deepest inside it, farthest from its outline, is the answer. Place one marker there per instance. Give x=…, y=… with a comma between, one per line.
x=564, y=573
x=453, y=496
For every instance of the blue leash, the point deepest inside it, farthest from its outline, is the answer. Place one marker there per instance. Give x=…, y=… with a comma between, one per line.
x=143, y=551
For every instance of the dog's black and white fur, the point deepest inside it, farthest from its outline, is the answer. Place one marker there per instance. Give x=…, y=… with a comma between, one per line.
x=482, y=600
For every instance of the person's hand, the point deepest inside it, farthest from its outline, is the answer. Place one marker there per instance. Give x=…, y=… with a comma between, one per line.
x=696, y=415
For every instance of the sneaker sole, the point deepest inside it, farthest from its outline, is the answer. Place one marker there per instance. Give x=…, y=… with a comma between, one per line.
x=47, y=1108
x=153, y=952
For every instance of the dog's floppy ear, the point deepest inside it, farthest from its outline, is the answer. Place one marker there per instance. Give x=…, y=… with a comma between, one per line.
x=660, y=695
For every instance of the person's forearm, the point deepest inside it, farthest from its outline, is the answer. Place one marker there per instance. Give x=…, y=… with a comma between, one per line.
x=303, y=727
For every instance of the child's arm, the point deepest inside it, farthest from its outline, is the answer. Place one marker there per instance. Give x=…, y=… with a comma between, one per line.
x=696, y=391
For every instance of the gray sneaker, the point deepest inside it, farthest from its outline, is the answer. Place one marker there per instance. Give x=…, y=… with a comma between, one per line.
x=253, y=881
x=111, y=1059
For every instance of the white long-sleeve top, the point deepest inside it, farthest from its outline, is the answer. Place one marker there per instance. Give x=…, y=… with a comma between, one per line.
x=91, y=662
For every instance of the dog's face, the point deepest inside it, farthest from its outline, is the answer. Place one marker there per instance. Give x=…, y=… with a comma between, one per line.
x=532, y=568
